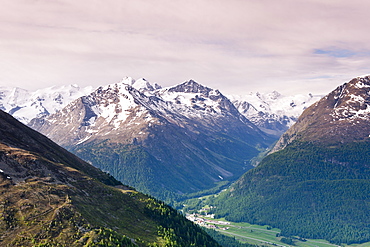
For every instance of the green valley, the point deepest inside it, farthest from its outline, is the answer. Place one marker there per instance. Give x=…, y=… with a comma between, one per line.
x=260, y=235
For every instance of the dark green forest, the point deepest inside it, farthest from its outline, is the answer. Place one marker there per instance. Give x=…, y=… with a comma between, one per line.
x=171, y=182
x=308, y=190
x=130, y=164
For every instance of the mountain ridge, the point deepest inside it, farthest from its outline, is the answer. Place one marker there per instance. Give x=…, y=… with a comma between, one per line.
x=273, y=112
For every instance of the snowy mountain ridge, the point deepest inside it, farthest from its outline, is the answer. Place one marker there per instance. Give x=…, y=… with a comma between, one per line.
x=356, y=96
x=272, y=112
x=25, y=105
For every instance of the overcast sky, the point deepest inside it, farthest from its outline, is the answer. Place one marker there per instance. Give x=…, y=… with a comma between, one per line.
x=236, y=46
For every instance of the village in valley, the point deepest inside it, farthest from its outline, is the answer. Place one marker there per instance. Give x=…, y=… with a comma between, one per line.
x=203, y=218
x=208, y=221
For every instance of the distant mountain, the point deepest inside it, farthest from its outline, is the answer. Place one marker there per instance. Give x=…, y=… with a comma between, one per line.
x=49, y=197
x=25, y=105
x=272, y=112
x=163, y=141
x=317, y=182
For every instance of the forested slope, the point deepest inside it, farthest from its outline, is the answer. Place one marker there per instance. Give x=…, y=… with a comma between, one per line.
x=307, y=190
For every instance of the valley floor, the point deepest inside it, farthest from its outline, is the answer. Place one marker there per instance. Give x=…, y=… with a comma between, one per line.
x=256, y=234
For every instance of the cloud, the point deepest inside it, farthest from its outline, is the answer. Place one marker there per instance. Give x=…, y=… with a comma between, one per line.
x=235, y=46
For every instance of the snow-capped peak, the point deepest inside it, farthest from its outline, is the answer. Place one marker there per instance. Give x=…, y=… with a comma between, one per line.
x=111, y=102
x=351, y=100
x=140, y=84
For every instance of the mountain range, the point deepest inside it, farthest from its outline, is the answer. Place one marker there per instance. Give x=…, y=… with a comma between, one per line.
x=316, y=181
x=50, y=197
x=272, y=112
x=189, y=139
x=163, y=141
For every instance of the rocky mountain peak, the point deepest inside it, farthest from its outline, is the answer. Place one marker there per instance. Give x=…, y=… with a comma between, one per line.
x=350, y=101
x=341, y=116
x=197, y=101
x=190, y=87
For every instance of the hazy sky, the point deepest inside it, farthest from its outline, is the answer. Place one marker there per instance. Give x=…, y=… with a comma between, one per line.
x=237, y=46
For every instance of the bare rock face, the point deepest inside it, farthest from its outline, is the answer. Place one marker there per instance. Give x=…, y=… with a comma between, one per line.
x=189, y=136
